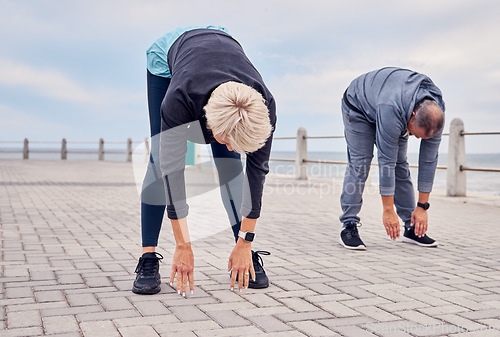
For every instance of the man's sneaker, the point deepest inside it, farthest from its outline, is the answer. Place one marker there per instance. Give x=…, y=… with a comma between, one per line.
x=410, y=237
x=261, y=280
x=349, y=236
x=148, y=279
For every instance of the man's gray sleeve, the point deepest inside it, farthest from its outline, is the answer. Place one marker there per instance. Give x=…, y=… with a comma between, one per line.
x=427, y=163
x=173, y=148
x=389, y=129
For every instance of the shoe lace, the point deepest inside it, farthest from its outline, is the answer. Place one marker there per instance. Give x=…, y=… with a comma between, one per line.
x=352, y=229
x=258, y=263
x=149, y=265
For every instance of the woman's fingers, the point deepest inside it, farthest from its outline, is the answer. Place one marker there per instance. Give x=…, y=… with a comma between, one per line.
x=191, y=281
x=179, y=280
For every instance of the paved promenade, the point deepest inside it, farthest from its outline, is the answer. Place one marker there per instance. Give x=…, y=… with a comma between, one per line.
x=70, y=240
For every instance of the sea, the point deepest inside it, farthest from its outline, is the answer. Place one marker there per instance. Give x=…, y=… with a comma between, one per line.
x=477, y=182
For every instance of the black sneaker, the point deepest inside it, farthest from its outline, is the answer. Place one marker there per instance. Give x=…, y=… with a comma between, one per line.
x=148, y=279
x=261, y=280
x=349, y=236
x=410, y=237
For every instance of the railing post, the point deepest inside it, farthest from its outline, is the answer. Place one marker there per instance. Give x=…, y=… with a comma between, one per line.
x=147, y=153
x=26, y=150
x=301, y=154
x=455, y=181
x=129, y=149
x=101, y=149
x=64, y=151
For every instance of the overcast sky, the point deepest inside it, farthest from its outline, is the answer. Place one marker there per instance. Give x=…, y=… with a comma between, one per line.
x=76, y=69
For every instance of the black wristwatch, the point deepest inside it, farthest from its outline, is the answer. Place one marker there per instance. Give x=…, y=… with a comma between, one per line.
x=424, y=206
x=247, y=236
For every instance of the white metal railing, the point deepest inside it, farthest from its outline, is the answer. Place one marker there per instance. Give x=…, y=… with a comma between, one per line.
x=63, y=150
x=456, y=168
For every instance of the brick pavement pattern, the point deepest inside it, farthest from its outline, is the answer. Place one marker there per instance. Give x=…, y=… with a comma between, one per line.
x=70, y=240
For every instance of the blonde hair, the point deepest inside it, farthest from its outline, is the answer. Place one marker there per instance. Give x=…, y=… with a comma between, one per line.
x=238, y=113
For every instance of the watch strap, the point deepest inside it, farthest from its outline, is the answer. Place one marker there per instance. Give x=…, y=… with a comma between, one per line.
x=247, y=236
x=424, y=206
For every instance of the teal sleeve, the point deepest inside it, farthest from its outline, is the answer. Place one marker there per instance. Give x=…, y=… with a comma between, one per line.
x=156, y=55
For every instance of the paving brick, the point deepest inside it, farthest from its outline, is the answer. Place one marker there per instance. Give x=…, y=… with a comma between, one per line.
x=298, y=304
x=346, y=321
x=22, y=332
x=142, y=321
x=118, y=303
x=313, y=329
x=353, y=331
x=338, y=309
x=377, y=313
x=17, y=292
x=261, y=300
x=134, y=331
x=239, y=331
x=188, y=313
x=96, y=282
x=303, y=316
x=23, y=319
x=227, y=306
x=415, y=316
x=109, y=315
x=49, y=296
x=228, y=318
x=99, y=329
x=452, y=319
x=60, y=324
x=269, y=323
x=36, y=306
x=165, y=329
x=152, y=308
x=81, y=299
x=71, y=310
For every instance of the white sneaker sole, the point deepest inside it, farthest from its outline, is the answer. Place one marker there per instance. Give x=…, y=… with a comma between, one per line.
x=360, y=247
x=408, y=240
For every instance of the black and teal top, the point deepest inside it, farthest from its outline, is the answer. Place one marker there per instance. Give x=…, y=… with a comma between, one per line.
x=199, y=61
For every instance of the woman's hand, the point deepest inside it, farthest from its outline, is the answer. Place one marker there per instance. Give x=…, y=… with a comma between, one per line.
x=183, y=266
x=240, y=262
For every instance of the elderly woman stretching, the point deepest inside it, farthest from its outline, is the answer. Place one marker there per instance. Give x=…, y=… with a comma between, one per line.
x=203, y=88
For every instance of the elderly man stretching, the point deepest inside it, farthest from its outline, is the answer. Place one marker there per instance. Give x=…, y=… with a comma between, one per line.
x=382, y=108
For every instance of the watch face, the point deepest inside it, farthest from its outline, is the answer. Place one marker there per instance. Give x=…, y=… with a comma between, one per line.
x=424, y=206
x=249, y=236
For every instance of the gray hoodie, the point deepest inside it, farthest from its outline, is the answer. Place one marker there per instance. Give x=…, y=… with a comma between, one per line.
x=386, y=98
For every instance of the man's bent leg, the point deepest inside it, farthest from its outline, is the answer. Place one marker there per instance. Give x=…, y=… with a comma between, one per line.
x=360, y=139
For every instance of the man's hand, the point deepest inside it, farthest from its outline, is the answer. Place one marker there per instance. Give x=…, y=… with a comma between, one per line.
x=419, y=220
x=183, y=266
x=391, y=223
x=240, y=262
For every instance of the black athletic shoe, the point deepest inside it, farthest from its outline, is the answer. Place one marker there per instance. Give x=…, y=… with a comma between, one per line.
x=148, y=279
x=261, y=280
x=349, y=236
x=410, y=237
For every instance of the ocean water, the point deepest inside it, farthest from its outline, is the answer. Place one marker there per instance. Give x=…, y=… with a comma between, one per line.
x=477, y=182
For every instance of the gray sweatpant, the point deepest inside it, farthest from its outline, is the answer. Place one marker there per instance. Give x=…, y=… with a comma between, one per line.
x=360, y=139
